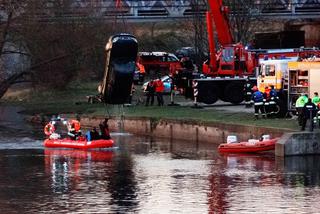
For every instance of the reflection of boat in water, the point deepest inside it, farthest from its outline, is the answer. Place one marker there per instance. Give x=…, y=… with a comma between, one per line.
x=78, y=144
x=94, y=155
x=249, y=146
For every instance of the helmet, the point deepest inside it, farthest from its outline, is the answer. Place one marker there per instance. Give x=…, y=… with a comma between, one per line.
x=255, y=88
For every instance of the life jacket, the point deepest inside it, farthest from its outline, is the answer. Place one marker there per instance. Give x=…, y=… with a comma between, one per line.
x=75, y=124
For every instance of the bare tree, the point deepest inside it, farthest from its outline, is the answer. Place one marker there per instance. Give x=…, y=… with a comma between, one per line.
x=200, y=39
x=13, y=54
x=245, y=17
x=62, y=42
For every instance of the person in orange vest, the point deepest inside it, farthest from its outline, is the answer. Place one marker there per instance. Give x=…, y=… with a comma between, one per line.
x=142, y=71
x=159, y=88
x=74, y=129
x=141, y=68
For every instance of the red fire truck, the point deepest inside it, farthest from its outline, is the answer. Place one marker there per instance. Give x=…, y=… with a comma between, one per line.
x=229, y=66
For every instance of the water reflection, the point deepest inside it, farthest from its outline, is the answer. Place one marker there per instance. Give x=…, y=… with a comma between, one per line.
x=64, y=166
x=301, y=170
x=150, y=175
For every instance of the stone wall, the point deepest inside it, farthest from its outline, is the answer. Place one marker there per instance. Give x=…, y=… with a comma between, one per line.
x=184, y=130
x=299, y=143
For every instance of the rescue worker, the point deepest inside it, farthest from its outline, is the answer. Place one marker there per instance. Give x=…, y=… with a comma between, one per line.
x=257, y=98
x=159, y=88
x=300, y=102
x=104, y=128
x=150, y=89
x=309, y=112
x=142, y=71
x=74, y=129
x=266, y=100
x=316, y=99
x=247, y=93
x=273, y=101
x=133, y=89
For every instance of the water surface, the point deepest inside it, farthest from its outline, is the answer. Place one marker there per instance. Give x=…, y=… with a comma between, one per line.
x=147, y=175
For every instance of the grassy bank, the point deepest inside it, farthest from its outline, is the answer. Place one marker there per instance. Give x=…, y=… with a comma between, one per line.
x=73, y=100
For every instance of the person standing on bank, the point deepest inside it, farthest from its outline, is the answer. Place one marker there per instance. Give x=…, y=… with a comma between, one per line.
x=257, y=98
x=266, y=100
x=316, y=99
x=309, y=112
x=300, y=102
x=247, y=93
x=273, y=101
x=150, y=92
x=159, y=90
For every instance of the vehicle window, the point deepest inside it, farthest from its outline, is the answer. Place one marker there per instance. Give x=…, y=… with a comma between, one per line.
x=270, y=70
x=172, y=59
x=227, y=54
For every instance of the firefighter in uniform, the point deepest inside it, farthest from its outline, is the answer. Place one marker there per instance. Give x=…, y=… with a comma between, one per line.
x=273, y=101
x=266, y=101
x=247, y=93
x=300, y=102
x=257, y=98
x=309, y=112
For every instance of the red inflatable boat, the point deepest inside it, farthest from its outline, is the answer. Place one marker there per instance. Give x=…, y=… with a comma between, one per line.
x=78, y=144
x=248, y=147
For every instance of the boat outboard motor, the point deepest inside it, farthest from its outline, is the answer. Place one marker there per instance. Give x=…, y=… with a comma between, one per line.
x=122, y=50
x=232, y=139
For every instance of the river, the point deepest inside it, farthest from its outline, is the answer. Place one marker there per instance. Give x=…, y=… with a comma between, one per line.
x=147, y=175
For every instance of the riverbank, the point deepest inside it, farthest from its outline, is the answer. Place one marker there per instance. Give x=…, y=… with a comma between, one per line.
x=219, y=119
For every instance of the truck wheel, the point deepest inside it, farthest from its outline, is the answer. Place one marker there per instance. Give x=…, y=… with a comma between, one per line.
x=234, y=93
x=210, y=95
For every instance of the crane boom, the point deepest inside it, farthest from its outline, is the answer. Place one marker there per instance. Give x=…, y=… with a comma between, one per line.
x=219, y=14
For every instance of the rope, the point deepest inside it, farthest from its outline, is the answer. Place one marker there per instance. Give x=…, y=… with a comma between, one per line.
x=106, y=112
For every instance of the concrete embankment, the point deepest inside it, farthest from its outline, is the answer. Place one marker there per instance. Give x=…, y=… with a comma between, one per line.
x=298, y=143
x=184, y=130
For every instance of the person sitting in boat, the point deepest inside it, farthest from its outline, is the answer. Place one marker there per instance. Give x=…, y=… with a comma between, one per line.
x=74, y=129
x=104, y=128
x=94, y=134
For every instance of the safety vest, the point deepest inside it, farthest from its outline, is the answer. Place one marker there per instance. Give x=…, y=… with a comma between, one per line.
x=316, y=100
x=141, y=68
x=267, y=94
x=301, y=101
x=159, y=86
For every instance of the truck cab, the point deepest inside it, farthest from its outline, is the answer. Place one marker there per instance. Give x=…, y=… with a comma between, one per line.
x=273, y=72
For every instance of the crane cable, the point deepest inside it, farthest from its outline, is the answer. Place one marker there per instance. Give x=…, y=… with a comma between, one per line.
x=119, y=7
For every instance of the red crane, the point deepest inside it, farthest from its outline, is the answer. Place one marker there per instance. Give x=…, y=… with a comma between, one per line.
x=230, y=59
